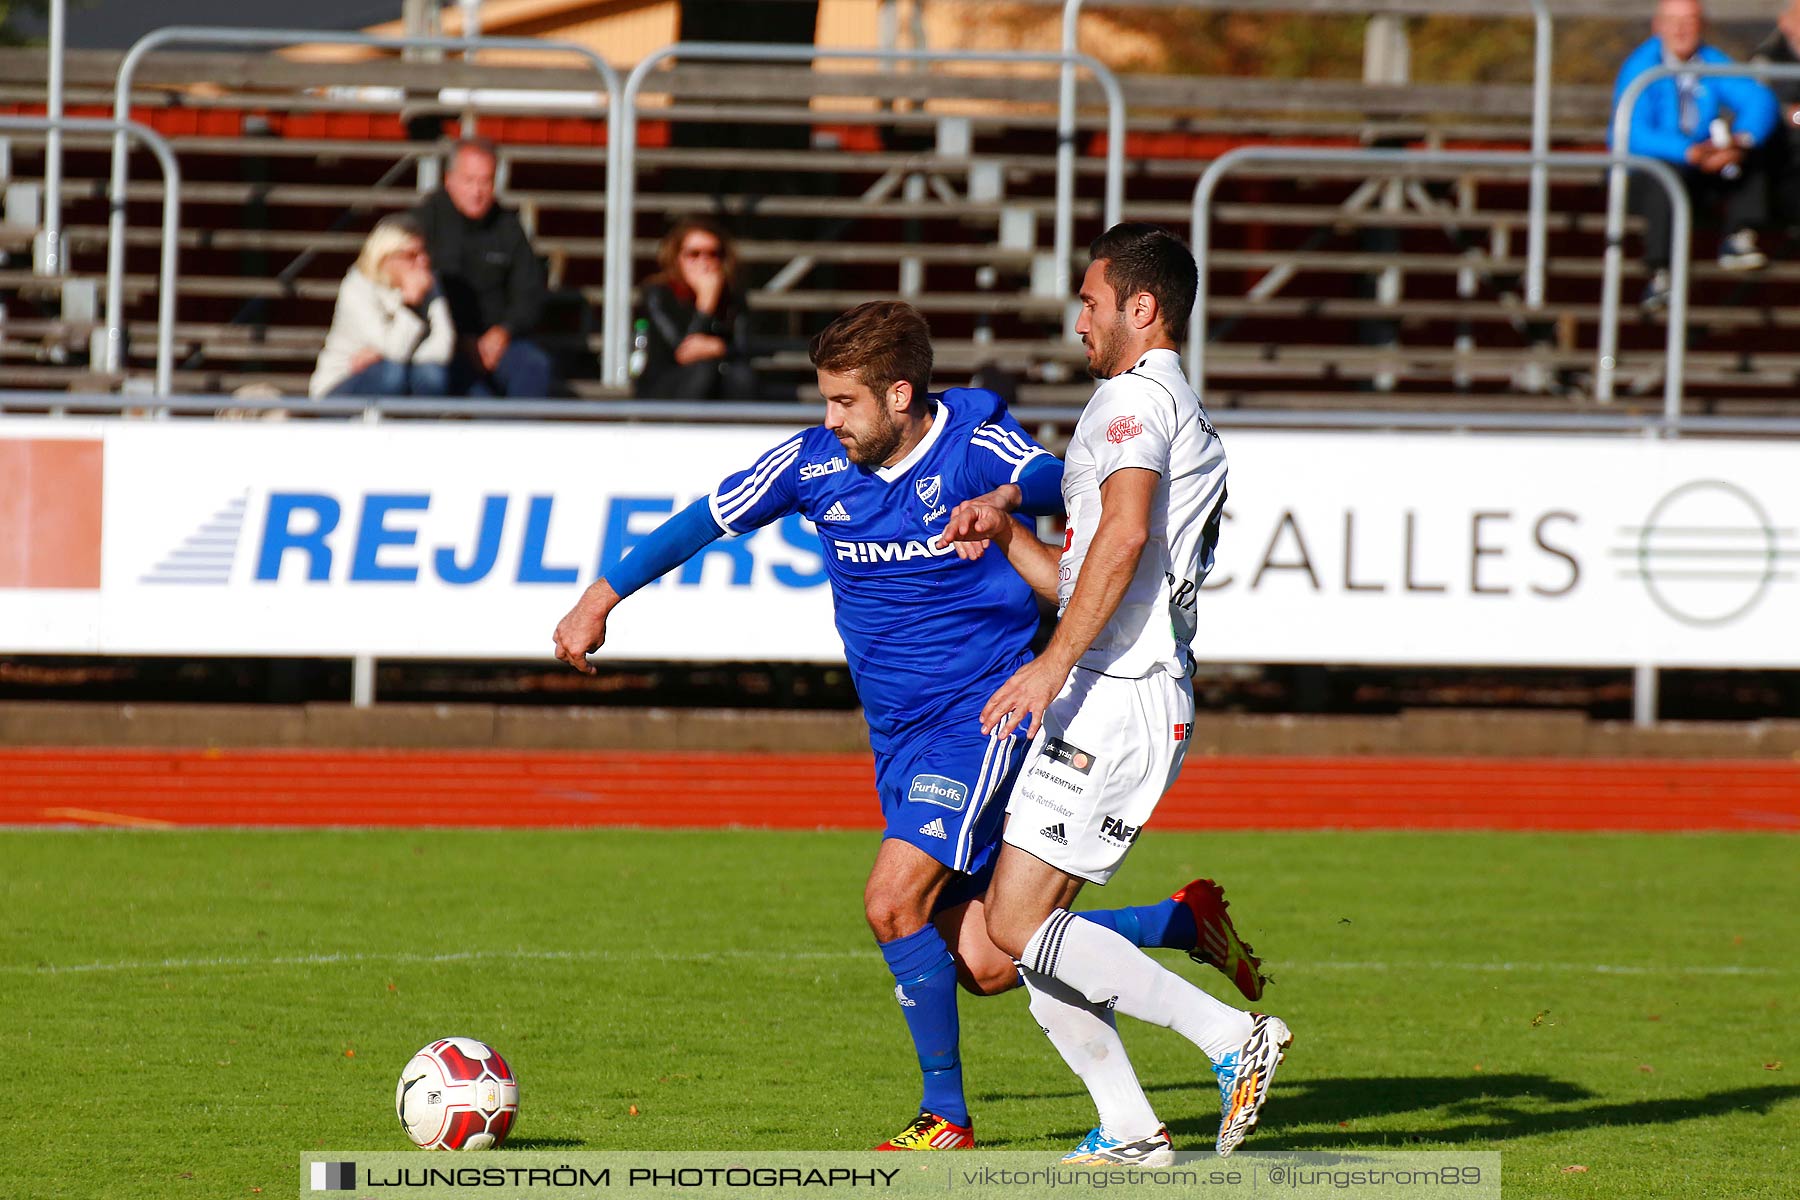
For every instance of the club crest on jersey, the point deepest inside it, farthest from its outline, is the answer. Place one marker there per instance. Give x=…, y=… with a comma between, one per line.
x=940, y=790
x=1123, y=429
x=931, y=494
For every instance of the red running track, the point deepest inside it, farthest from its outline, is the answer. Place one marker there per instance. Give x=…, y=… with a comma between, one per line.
x=507, y=789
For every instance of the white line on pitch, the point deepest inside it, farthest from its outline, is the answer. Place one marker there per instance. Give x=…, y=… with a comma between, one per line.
x=330, y=960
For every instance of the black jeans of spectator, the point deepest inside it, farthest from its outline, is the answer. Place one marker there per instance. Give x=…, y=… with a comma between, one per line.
x=1745, y=201
x=706, y=379
x=1784, y=175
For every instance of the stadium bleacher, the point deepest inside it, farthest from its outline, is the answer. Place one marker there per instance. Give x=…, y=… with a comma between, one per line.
x=949, y=200
x=1329, y=287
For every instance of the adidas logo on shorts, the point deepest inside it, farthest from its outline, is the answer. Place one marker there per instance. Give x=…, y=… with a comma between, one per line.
x=1054, y=833
x=837, y=512
x=935, y=829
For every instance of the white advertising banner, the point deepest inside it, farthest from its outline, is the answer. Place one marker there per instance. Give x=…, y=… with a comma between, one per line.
x=455, y=540
x=1492, y=549
x=470, y=540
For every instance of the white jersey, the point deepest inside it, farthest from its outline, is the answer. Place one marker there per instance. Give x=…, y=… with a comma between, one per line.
x=1147, y=417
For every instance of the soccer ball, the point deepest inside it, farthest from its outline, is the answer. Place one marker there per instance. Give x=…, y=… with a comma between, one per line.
x=457, y=1094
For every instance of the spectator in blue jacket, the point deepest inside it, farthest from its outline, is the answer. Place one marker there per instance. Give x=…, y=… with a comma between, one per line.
x=1712, y=129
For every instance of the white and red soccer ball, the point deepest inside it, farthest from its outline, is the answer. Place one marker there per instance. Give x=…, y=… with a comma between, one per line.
x=457, y=1094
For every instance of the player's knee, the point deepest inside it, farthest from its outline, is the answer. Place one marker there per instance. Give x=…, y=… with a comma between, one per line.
x=1008, y=932
x=891, y=915
x=988, y=976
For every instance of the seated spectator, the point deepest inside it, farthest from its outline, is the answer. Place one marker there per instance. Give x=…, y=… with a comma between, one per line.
x=391, y=334
x=1683, y=120
x=699, y=330
x=1782, y=47
x=489, y=273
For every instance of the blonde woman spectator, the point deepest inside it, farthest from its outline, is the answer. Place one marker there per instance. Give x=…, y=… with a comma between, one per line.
x=391, y=334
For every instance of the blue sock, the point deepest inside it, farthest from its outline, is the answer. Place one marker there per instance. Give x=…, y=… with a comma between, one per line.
x=1168, y=925
x=925, y=985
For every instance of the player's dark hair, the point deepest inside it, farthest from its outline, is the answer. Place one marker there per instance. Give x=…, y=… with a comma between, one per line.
x=1141, y=257
x=882, y=343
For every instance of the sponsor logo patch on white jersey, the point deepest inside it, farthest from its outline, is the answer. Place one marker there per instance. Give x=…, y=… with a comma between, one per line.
x=1123, y=429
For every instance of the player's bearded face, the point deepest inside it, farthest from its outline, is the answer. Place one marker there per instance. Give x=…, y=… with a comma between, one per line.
x=1102, y=327
x=1103, y=342
x=863, y=423
x=872, y=438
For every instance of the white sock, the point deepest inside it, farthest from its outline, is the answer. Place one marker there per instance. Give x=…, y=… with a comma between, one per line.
x=1084, y=1034
x=1106, y=968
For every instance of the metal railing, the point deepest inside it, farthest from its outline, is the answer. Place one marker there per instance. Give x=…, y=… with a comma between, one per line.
x=1536, y=234
x=226, y=36
x=621, y=215
x=375, y=409
x=171, y=225
x=1403, y=159
x=1614, y=263
x=52, y=260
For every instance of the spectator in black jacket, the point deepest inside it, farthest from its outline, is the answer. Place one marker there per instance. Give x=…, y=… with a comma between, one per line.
x=1783, y=46
x=699, y=335
x=489, y=274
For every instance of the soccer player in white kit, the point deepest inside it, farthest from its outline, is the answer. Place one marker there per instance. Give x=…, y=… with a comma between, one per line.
x=1144, y=485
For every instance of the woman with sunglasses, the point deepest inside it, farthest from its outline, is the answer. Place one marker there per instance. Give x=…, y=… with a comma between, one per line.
x=698, y=336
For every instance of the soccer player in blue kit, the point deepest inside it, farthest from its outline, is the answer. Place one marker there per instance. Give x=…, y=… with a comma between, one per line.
x=929, y=632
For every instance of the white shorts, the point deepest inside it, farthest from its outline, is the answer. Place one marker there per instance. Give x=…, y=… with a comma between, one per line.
x=1103, y=757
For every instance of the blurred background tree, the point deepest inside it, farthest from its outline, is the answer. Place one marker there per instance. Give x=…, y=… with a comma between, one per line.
x=1444, y=49
x=11, y=9
x=1311, y=46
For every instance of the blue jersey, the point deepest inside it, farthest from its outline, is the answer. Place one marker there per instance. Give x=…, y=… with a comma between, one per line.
x=928, y=635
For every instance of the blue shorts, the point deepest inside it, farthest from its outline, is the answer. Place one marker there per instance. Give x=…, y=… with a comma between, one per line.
x=946, y=794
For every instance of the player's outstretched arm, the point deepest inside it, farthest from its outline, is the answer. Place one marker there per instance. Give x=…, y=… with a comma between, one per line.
x=1111, y=561
x=974, y=523
x=583, y=629
x=1106, y=573
x=1037, y=490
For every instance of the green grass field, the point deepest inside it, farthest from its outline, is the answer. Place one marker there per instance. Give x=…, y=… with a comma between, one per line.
x=186, y=1013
